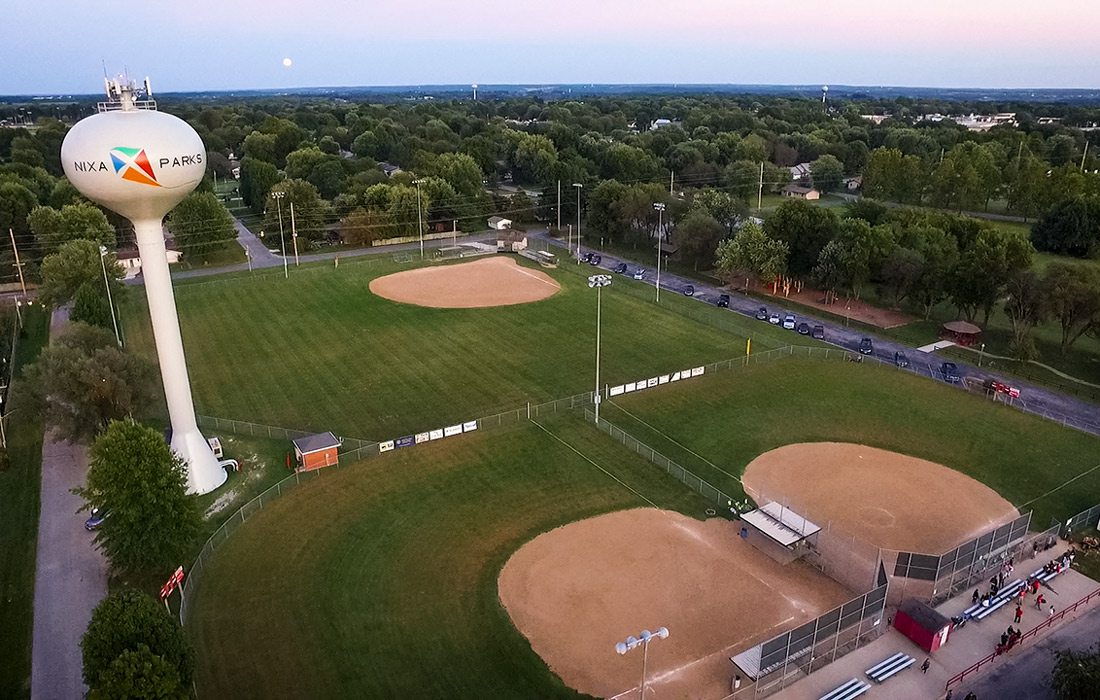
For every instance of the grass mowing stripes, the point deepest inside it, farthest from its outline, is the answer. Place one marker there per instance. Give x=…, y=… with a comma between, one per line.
x=730, y=418
x=320, y=351
x=379, y=580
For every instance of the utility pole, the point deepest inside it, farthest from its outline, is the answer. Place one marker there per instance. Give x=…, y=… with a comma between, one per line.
x=569, y=240
x=294, y=234
x=1083, y=155
x=454, y=232
x=760, y=191
x=282, y=239
x=579, y=186
x=671, y=178
x=660, y=207
x=559, y=207
x=419, y=217
x=18, y=265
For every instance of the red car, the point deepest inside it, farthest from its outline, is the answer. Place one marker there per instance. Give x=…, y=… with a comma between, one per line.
x=1002, y=388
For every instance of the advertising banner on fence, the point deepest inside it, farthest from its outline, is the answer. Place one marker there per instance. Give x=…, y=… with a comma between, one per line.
x=617, y=390
x=651, y=382
x=406, y=441
x=385, y=446
x=421, y=437
x=697, y=371
x=435, y=434
x=469, y=426
x=452, y=430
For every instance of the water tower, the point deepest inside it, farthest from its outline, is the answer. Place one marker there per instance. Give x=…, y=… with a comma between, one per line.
x=474, y=86
x=140, y=163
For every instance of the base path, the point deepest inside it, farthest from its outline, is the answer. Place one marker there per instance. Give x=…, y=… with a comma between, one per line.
x=887, y=499
x=71, y=574
x=578, y=590
x=495, y=281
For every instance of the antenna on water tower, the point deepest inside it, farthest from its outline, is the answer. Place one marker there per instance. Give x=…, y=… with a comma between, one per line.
x=141, y=163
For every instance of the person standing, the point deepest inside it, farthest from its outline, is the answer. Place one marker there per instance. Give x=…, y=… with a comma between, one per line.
x=1051, y=612
x=925, y=665
x=1019, y=614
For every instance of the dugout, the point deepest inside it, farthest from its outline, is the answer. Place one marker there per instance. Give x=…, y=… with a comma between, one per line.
x=316, y=451
x=779, y=532
x=921, y=623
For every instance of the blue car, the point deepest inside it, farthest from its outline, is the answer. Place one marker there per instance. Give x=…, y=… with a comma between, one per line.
x=95, y=519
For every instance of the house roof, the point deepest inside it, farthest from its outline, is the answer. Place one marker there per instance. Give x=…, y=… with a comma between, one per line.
x=389, y=168
x=962, y=327
x=493, y=220
x=798, y=189
x=316, y=443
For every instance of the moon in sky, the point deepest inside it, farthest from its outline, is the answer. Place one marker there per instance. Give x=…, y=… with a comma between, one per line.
x=287, y=63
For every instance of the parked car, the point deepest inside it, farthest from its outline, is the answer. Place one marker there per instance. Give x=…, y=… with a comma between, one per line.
x=588, y=256
x=803, y=328
x=1002, y=388
x=639, y=273
x=788, y=322
x=621, y=268
x=596, y=260
x=819, y=332
x=950, y=372
x=762, y=313
x=866, y=347
x=774, y=319
x=689, y=291
x=724, y=301
x=900, y=360
x=95, y=519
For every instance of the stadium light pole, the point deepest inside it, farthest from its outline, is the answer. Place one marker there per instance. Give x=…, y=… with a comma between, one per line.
x=660, y=207
x=599, y=282
x=579, y=187
x=419, y=217
x=107, y=284
x=642, y=641
x=282, y=239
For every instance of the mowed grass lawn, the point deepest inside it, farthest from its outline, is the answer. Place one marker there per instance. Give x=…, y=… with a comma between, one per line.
x=379, y=579
x=321, y=352
x=727, y=419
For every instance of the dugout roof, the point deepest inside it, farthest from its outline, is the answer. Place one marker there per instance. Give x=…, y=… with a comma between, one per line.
x=780, y=523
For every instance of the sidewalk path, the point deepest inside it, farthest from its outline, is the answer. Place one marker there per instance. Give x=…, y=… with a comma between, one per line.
x=71, y=575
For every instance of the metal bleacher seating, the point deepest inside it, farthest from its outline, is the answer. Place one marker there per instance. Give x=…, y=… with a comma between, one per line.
x=1003, y=597
x=889, y=667
x=852, y=689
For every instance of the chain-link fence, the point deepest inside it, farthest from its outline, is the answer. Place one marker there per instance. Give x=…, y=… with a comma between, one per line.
x=1085, y=520
x=715, y=496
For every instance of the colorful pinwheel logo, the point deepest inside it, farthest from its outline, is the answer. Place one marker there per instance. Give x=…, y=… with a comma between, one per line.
x=132, y=164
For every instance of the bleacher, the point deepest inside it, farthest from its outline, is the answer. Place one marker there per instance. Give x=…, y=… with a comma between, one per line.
x=889, y=667
x=1003, y=597
x=1044, y=577
x=852, y=689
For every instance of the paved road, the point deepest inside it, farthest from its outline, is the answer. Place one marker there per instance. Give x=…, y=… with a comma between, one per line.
x=1035, y=398
x=1028, y=676
x=71, y=574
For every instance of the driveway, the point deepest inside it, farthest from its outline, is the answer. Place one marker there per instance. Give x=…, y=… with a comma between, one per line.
x=71, y=574
x=1036, y=399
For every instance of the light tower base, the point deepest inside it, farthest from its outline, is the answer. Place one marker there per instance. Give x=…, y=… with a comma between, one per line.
x=204, y=474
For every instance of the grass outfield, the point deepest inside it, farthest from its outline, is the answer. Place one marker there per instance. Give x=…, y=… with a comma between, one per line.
x=320, y=351
x=727, y=419
x=379, y=579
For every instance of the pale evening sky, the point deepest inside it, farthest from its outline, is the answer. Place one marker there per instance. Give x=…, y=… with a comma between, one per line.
x=56, y=46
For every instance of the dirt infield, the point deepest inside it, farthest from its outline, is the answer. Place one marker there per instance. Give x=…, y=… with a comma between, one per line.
x=576, y=591
x=494, y=281
x=885, y=498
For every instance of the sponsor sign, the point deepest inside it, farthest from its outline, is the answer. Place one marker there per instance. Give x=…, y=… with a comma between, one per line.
x=674, y=377
x=385, y=446
x=651, y=382
x=421, y=437
x=663, y=379
x=627, y=388
x=697, y=371
x=435, y=434
x=452, y=430
x=469, y=426
x=406, y=441
x=617, y=390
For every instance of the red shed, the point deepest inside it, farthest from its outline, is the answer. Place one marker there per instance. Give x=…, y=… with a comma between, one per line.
x=315, y=451
x=921, y=623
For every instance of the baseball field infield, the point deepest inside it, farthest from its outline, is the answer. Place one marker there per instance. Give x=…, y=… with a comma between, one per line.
x=494, y=281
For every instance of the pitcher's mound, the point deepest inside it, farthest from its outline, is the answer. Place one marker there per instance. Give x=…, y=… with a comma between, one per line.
x=576, y=591
x=888, y=499
x=495, y=281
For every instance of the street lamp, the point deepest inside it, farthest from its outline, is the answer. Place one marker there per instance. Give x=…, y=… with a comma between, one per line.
x=579, y=187
x=660, y=207
x=599, y=282
x=419, y=218
x=642, y=641
x=279, y=201
x=107, y=284
x=981, y=354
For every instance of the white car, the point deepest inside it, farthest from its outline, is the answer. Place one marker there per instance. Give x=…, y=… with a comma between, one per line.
x=788, y=322
x=774, y=319
x=639, y=273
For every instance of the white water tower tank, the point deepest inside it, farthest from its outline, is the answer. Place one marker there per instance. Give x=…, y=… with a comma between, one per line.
x=141, y=163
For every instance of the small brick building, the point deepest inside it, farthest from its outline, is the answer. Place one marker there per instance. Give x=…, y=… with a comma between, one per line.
x=316, y=451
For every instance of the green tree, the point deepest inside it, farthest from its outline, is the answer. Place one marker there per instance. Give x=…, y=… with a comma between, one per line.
x=73, y=265
x=900, y=272
x=16, y=203
x=742, y=179
x=828, y=173
x=201, y=225
x=893, y=176
x=363, y=226
x=83, y=381
x=125, y=620
x=55, y=227
x=309, y=210
x=257, y=179
x=1071, y=227
x=90, y=306
x=805, y=229
x=1073, y=295
x=984, y=269
x=752, y=254
x=1025, y=305
x=726, y=209
x=461, y=171
x=137, y=478
x=138, y=674
x=1076, y=675
x=697, y=236
x=603, y=213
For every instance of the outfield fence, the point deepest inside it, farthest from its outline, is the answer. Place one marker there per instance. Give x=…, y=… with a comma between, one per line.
x=1088, y=519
